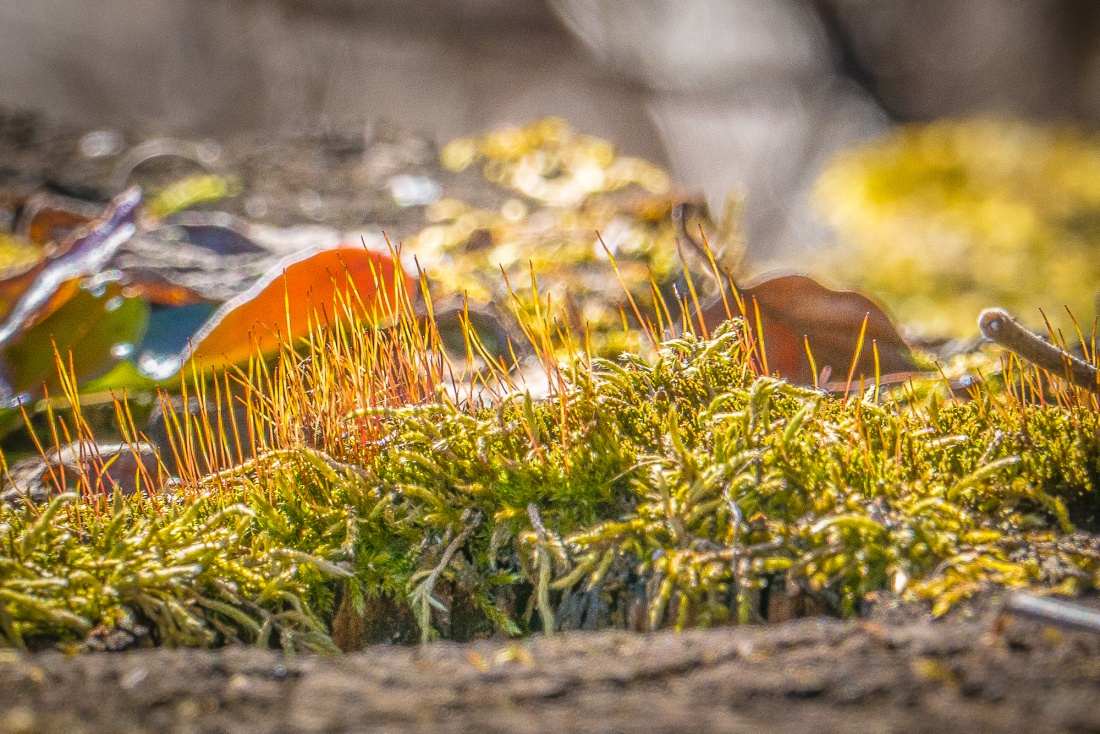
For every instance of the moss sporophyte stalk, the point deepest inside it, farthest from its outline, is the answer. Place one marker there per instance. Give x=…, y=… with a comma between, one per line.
x=370, y=476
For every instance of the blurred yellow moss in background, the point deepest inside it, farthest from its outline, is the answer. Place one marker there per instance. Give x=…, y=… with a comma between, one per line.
x=944, y=219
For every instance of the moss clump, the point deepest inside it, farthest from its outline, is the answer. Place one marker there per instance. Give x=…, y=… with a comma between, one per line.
x=677, y=491
x=686, y=486
x=180, y=575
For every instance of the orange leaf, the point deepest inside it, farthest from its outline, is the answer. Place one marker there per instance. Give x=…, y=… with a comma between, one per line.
x=301, y=287
x=160, y=293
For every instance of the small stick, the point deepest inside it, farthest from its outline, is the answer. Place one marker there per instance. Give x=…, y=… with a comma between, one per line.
x=451, y=549
x=427, y=586
x=1056, y=612
x=999, y=326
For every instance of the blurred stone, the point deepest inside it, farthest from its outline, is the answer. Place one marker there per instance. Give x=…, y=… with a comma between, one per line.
x=768, y=148
x=701, y=44
x=220, y=66
x=747, y=98
x=107, y=466
x=431, y=13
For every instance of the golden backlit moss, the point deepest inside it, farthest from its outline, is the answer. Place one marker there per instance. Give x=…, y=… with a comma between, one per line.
x=686, y=487
x=681, y=488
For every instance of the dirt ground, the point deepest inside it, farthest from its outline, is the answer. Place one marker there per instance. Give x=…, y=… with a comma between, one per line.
x=976, y=672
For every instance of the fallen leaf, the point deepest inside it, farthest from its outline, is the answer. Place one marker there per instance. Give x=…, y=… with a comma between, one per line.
x=98, y=329
x=39, y=225
x=48, y=220
x=180, y=264
x=86, y=252
x=218, y=236
x=795, y=309
x=104, y=465
x=17, y=256
x=305, y=286
x=171, y=328
x=187, y=192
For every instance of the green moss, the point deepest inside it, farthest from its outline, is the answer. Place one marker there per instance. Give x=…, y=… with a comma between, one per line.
x=190, y=575
x=691, y=484
x=679, y=491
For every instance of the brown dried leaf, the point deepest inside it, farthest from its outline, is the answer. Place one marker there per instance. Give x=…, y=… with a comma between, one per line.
x=795, y=309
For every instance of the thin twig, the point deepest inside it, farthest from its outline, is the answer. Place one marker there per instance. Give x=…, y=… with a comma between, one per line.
x=545, y=561
x=1053, y=611
x=453, y=547
x=998, y=325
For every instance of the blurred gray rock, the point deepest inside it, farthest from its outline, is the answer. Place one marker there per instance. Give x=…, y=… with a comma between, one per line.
x=107, y=466
x=700, y=45
x=747, y=99
x=219, y=66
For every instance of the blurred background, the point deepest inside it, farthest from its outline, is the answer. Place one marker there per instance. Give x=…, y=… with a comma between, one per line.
x=731, y=95
x=750, y=97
